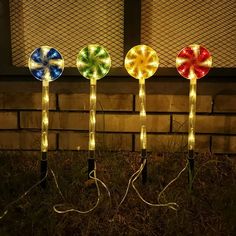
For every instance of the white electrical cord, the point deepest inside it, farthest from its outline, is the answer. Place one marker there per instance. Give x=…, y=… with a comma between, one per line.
x=135, y=176
x=55, y=207
x=23, y=195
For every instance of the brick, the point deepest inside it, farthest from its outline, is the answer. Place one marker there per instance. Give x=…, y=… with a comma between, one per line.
x=206, y=124
x=73, y=141
x=79, y=141
x=224, y=144
x=114, y=141
x=131, y=123
x=9, y=140
x=57, y=120
x=225, y=103
x=105, y=102
x=173, y=143
x=24, y=101
x=202, y=143
x=24, y=140
x=174, y=103
x=30, y=119
x=8, y=120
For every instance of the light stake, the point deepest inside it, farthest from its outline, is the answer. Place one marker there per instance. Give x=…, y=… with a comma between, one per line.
x=45, y=64
x=193, y=62
x=93, y=63
x=141, y=62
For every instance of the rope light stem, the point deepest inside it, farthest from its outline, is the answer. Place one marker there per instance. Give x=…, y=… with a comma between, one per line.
x=142, y=100
x=191, y=127
x=143, y=131
x=92, y=125
x=44, y=130
x=45, y=119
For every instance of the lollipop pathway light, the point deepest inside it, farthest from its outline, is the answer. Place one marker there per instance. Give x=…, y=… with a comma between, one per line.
x=193, y=62
x=141, y=62
x=45, y=64
x=93, y=63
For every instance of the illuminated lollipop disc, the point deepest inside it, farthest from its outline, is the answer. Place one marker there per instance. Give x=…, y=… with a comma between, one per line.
x=141, y=61
x=193, y=61
x=46, y=63
x=93, y=62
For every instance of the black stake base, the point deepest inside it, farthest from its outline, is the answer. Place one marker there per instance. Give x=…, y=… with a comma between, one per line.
x=191, y=168
x=144, y=172
x=43, y=169
x=91, y=163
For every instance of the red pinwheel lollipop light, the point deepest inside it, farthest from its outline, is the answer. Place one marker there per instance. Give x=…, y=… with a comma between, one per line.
x=193, y=62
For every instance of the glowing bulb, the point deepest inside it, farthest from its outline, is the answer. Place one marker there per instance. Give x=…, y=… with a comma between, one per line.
x=45, y=121
x=92, y=141
x=143, y=113
x=46, y=98
x=191, y=141
x=191, y=115
x=93, y=97
x=192, y=94
x=141, y=93
x=47, y=75
x=143, y=137
x=92, y=118
x=44, y=142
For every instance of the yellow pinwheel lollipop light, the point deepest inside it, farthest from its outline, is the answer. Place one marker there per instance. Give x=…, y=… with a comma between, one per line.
x=141, y=62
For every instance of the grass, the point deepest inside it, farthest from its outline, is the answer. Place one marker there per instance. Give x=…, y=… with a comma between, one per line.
x=209, y=210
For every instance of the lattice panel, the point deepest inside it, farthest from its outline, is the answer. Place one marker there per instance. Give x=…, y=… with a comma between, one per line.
x=67, y=25
x=168, y=26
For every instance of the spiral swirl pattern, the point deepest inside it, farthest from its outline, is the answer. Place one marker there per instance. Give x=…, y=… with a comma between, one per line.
x=46, y=63
x=93, y=62
x=193, y=61
x=141, y=62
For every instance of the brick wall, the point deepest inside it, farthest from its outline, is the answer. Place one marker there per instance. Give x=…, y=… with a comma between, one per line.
x=118, y=122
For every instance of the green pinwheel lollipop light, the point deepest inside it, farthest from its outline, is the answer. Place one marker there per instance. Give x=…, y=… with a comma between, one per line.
x=93, y=63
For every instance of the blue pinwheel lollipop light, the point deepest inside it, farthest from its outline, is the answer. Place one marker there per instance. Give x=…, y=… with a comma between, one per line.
x=46, y=63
